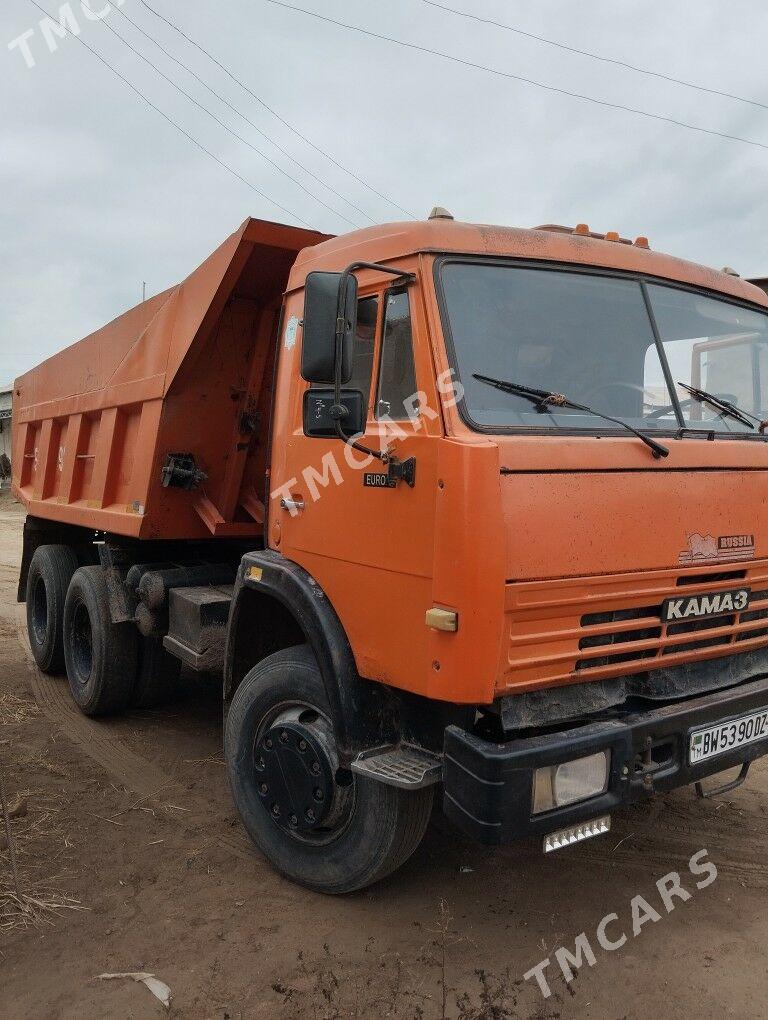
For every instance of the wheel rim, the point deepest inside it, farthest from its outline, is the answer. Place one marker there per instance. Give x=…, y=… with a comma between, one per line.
x=297, y=775
x=81, y=645
x=40, y=610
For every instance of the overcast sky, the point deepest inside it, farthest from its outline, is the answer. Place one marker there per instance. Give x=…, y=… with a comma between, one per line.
x=98, y=192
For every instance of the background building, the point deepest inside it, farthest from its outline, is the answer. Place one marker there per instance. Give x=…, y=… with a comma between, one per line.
x=6, y=394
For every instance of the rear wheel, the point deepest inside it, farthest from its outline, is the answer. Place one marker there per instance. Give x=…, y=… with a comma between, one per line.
x=50, y=572
x=157, y=679
x=101, y=656
x=320, y=825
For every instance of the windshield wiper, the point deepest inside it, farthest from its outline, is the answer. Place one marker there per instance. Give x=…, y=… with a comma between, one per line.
x=725, y=406
x=543, y=400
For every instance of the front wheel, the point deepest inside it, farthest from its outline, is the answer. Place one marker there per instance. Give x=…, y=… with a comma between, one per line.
x=317, y=823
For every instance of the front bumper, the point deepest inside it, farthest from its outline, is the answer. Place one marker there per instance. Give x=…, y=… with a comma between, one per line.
x=488, y=787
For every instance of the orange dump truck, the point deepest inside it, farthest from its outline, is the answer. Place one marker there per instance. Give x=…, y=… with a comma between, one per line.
x=451, y=507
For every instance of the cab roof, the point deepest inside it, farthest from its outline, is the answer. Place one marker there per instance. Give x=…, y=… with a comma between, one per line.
x=550, y=244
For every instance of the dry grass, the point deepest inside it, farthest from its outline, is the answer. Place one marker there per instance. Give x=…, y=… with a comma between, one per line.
x=39, y=842
x=36, y=900
x=15, y=710
x=32, y=910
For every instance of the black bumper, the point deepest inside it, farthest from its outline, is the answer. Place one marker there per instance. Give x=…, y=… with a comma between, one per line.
x=488, y=787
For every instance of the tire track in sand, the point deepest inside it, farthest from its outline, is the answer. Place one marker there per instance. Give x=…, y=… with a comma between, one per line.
x=103, y=746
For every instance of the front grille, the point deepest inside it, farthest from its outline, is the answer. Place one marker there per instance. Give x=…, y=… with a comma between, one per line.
x=610, y=625
x=616, y=615
x=658, y=632
x=697, y=579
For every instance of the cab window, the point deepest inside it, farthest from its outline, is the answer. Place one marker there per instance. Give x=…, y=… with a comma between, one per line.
x=363, y=347
x=397, y=374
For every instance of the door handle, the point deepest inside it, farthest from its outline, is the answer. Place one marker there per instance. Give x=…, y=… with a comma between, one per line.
x=293, y=506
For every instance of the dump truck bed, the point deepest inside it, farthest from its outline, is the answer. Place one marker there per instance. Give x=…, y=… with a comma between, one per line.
x=186, y=372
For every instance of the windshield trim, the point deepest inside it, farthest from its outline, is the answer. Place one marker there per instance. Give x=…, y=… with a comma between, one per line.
x=644, y=279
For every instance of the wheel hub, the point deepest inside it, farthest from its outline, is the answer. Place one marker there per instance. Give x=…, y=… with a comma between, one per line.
x=295, y=763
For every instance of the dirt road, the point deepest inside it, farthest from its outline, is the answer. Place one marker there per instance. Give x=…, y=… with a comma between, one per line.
x=130, y=830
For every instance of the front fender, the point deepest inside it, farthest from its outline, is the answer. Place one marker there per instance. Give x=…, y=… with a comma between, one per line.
x=363, y=712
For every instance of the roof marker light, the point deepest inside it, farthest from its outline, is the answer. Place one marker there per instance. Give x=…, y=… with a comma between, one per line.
x=641, y=242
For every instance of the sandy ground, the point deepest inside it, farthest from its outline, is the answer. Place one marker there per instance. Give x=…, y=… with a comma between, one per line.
x=130, y=829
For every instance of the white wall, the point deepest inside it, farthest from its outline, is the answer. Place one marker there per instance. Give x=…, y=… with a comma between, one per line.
x=5, y=422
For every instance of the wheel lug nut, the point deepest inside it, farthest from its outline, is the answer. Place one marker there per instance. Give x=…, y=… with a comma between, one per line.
x=315, y=768
x=310, y=815
x=302, y=745
x=317, y=793
x=268, y=743
x=294, y=820
x=284, y=737
x=263, y=788
x=276, y=810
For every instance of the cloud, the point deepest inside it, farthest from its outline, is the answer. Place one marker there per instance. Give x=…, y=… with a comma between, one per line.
x=100, y=193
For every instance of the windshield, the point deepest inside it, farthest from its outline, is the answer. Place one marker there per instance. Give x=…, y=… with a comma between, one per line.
x=591, y=338
x=714, y=346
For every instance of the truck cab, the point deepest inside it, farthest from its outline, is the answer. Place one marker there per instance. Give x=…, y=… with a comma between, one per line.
x=491, y=507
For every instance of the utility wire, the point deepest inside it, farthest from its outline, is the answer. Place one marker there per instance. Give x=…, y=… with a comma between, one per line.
x=598, y=56
x=178, y=127
x=234, y=109
x=520, y=78
x=226, y=126
x=274, y=112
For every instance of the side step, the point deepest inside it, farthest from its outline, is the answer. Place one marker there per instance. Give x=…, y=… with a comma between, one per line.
x=405, y=766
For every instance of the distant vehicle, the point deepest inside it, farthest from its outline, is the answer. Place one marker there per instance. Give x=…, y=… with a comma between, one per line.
x=535, y=578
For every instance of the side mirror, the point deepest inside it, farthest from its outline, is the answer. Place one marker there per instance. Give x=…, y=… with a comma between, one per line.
x=323, y=305
x=319, y=421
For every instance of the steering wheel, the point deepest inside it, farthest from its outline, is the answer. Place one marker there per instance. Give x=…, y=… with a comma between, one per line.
x=657, y=412
x=618, y=384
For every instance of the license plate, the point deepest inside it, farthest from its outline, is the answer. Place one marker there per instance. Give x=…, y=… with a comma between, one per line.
x=714, y=740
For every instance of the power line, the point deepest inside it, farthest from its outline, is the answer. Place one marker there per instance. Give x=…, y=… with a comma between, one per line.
x=598, y=56
x=178, y=127
x=234, y=109
x=226, y=126
x=275, y=114
x=520, y=78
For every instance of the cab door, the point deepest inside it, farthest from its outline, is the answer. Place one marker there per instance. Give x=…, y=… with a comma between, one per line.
x=368, y=540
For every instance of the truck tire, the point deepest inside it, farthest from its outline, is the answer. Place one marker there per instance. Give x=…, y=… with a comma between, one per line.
x=365, y=830
x=157, y=678
x=50, y=572
x=102, y=657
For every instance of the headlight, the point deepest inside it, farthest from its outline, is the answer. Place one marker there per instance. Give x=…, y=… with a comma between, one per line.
x=572, y=781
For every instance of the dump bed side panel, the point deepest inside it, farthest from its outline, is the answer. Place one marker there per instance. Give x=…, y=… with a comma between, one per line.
x=184, y=372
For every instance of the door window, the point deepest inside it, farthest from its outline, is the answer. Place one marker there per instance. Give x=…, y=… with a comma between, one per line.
x=363, y=346
x=397, y=373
